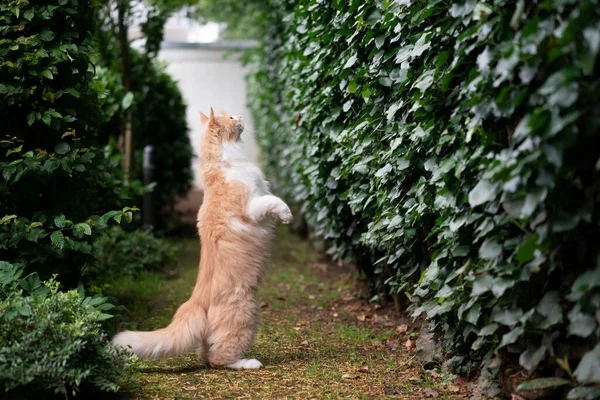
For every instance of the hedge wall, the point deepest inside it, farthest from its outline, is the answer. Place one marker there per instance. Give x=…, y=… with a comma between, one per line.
x=56, y=186
x=452, y=151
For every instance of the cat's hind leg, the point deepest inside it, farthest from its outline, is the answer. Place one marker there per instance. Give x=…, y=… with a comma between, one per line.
x=231, y=334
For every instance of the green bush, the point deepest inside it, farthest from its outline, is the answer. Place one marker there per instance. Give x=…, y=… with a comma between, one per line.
x=158, y=119
x=119, y=253
x=57, y=182
x=52, y=341
x=453, y=152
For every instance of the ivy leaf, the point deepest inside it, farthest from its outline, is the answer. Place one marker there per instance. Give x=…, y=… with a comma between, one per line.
x=351, y=61
x=549, y=306
x=581, y=325
x=508, y=317
x=584, y=393
x=490, y=249
x=527, y=249
x=512, y=336
x=481, y=193
x=588, y=370
x=532, y=357
x=58, y=240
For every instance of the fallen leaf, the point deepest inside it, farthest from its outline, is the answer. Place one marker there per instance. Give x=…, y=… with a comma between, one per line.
x=312, y=297
x=282, y=298
x=335, y=315
x=376, y=307
x=401, y=329
x=304, y=343
x=361, y=317
x=349, y=376
x=409, y=344
x=364, y=369
x=515, y=396
x=264, y=304
x=392, y=344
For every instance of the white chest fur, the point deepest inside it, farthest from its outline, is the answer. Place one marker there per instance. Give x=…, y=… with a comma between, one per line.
x=239, y=168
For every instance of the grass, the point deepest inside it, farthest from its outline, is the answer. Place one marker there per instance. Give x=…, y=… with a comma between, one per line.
x=310, y=339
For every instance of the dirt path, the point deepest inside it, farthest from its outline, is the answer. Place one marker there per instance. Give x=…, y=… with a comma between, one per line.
x=317, y=339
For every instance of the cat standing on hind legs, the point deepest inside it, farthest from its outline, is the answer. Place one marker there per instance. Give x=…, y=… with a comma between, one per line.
x=235, y=223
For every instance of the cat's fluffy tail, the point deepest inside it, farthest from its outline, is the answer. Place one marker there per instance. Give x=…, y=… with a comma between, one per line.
x=183, y=334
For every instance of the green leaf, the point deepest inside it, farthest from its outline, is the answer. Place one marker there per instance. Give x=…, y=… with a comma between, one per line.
x=129, y=216
x=60, y=221
x=490, y=249
x=512, y=336
x=532, y=357
x=481, y=193
x=127, y=100
x=549, y=306
x=527, y=249
x=62, y=148
x=508, y=317
x=543, y=383
x=83, y=228
x=15, y=150
x=47, y=74
x=57, y=239
x=584, y=393
x=28, y=14
x=588, y=370
x=352, y=87
x=582, y=325
x=30, y=118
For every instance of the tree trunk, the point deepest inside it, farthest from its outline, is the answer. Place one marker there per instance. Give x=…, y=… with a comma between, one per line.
x=126, y=139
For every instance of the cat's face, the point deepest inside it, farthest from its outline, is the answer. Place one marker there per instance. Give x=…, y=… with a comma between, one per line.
x=224, y=127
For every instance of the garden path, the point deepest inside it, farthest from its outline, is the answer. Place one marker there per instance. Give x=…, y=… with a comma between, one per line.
x=318, y=338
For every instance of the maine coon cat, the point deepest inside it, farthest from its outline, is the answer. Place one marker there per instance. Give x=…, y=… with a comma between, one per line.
x=235, y=223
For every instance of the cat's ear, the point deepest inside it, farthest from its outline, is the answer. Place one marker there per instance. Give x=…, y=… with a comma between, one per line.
x=212, y=114
x=203, y=118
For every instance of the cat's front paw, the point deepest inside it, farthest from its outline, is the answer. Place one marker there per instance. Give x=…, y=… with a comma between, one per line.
x=285, y=214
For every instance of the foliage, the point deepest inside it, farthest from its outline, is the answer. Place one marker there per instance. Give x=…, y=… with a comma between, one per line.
x=52, y=341
x=57, y=183
x=157, y=106
x=453, y=151
x=119, y=253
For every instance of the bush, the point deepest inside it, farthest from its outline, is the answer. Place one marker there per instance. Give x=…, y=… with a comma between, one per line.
x=158, y=119
x=119, y=253
x=52, y=341
x=57, y=182
x=453, y=152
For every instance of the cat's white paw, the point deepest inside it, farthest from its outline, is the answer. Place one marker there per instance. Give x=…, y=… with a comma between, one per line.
x=284, y=213
x=245, y=363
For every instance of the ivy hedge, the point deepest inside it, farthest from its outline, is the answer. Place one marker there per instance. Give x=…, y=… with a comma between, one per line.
x=450, y=150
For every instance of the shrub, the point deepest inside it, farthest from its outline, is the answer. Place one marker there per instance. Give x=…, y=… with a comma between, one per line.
x=158, y=119
x=57, y=182
x=52, y=341
x=118, y=253
x=453, y=151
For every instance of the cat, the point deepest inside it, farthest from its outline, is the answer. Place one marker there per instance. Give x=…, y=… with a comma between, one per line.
x=235, y=223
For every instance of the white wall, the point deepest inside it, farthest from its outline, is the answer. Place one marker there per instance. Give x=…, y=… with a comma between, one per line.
x=207, y=78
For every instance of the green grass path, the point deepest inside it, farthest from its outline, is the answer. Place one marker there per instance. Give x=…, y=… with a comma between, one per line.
x=317, y=339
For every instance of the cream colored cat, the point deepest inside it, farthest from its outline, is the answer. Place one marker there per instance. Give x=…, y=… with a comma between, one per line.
x=235, y=226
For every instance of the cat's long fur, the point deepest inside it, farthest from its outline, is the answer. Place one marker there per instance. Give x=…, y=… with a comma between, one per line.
x=235, y=226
